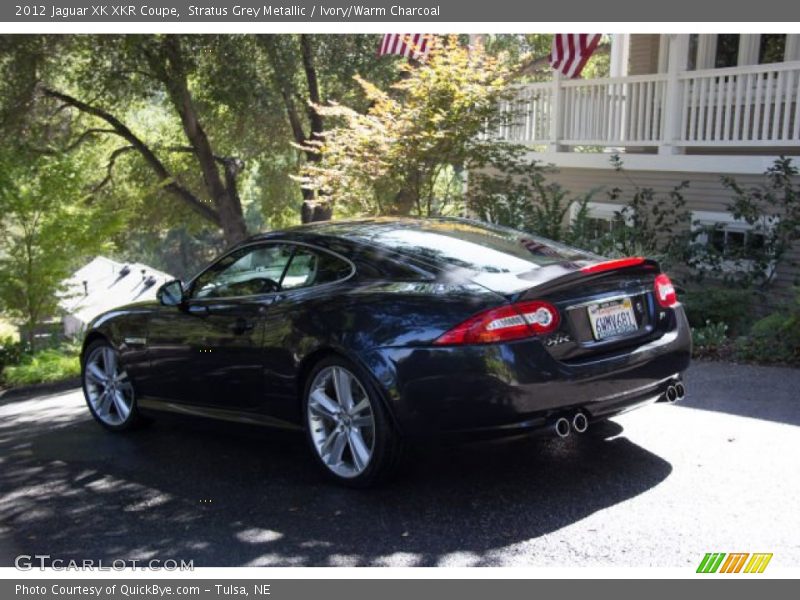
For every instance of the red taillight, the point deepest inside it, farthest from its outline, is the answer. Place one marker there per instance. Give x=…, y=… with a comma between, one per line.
x=502, y=324
x=610, y=265
x=665, y=291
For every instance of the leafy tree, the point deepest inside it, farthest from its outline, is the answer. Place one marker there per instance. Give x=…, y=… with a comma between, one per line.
x=98, y=85
x=309, y=71
x=407, y=154
x=200, y=129
x=47, y=222
x=650, y=224
x=514, y=191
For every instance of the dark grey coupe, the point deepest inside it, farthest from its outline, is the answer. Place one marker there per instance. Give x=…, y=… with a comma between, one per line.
x=368, y=334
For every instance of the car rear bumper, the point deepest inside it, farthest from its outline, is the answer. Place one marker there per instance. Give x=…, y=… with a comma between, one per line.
x=505, y=388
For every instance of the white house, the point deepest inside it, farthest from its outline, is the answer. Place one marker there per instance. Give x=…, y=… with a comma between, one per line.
x=104, y=284
x=676, y=107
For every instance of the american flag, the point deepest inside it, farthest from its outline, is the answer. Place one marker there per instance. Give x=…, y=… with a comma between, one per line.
x=571, y=51
x=410, y=45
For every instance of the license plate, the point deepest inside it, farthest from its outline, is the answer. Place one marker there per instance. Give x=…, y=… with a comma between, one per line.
x=610, y=319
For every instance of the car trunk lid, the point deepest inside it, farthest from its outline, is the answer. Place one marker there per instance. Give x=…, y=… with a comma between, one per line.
x=605, y=306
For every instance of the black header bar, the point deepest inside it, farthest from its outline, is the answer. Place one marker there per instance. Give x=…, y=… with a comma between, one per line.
x=404, y=11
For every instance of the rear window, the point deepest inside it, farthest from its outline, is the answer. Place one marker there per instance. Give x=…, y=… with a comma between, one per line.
x=469, y=245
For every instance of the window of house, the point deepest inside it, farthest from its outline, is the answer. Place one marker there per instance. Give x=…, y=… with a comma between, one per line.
x=727, y=54
x=711, y=51
x=731, y=241
x=772, y=48
x=734, y=240
x=602, y=218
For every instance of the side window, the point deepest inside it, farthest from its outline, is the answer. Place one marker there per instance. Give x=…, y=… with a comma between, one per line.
x=311, y=267
x=247, y=272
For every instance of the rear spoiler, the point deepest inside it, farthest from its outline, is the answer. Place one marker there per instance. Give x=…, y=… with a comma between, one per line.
x=614, y=264
x=585, y=271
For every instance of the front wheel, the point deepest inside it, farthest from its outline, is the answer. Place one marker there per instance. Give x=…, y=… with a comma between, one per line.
x=107, y=388
x=348, y=428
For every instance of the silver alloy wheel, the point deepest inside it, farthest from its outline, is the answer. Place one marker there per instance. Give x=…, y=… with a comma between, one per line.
x=108, y=389
x=341, y=421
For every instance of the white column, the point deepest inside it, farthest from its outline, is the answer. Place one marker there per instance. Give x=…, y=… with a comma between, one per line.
x=792, y=51
x=678, y=55
x=557, y=99
x=618, y=67
x=620, y=48
x=748, y=49
x=706, y=50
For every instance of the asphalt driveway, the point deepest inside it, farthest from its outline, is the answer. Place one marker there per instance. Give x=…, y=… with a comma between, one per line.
x=659, y=486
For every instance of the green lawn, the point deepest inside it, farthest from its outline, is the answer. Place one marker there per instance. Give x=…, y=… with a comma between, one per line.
x=43, y=367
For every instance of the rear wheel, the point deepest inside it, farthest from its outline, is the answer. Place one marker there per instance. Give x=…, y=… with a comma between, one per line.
x=348, y=429
x=108, y=389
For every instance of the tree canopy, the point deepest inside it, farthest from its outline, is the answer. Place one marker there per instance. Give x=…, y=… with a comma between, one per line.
x=408, y=152
x=165, y=148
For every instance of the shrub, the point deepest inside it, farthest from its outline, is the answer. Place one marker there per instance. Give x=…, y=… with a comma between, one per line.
x=515, y=193
x=731, y=306
x=11, y=352
x=775, y=338
x=710, y=340
x=773, y=211
x=658, y=223
x=44, y=366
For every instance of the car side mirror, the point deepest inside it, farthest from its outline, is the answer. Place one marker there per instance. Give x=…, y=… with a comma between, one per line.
x=171, y=293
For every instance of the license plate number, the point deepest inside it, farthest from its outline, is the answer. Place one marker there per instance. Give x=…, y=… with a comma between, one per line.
x=610, y=319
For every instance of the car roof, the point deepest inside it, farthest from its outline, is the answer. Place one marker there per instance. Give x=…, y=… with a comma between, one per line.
x=439, y=242
x=349, y=228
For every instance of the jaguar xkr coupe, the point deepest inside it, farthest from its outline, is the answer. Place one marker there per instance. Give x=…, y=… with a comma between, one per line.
x=368, y=334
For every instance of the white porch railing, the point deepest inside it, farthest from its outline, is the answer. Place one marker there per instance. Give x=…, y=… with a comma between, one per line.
x=740, y=106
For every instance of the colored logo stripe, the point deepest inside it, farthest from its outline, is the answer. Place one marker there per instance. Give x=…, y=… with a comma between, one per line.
x=734, y=562
x=758, y=563
x=711, y=562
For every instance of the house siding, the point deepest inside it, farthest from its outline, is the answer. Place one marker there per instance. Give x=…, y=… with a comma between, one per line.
x=705, y=193
x=643, y=54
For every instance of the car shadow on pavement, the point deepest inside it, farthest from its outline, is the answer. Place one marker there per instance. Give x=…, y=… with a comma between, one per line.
x=226, y=496
x=759, y=392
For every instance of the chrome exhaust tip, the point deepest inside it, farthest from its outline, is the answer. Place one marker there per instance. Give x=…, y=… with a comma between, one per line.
x=680, y=390
x=671, y=394
x=561, y=427
x=580, y=423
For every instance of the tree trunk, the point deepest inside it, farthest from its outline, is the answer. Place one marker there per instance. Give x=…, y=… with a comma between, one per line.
x=313, y=208
x=30, y=333
x=223, y=194
x=404, y=202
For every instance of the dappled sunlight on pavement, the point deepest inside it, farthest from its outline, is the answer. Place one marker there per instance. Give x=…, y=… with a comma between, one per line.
x=658, y=486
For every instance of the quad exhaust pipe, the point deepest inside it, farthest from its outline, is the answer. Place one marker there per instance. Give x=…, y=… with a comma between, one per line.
x=564, y=426
x=675, y=392
x=580, y=423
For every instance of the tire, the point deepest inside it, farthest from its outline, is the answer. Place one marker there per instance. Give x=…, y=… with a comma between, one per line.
x=351, y=436
x=100, y=374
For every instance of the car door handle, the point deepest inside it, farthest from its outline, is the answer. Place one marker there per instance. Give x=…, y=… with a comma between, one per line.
x=199, y=310
x=240, y=326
